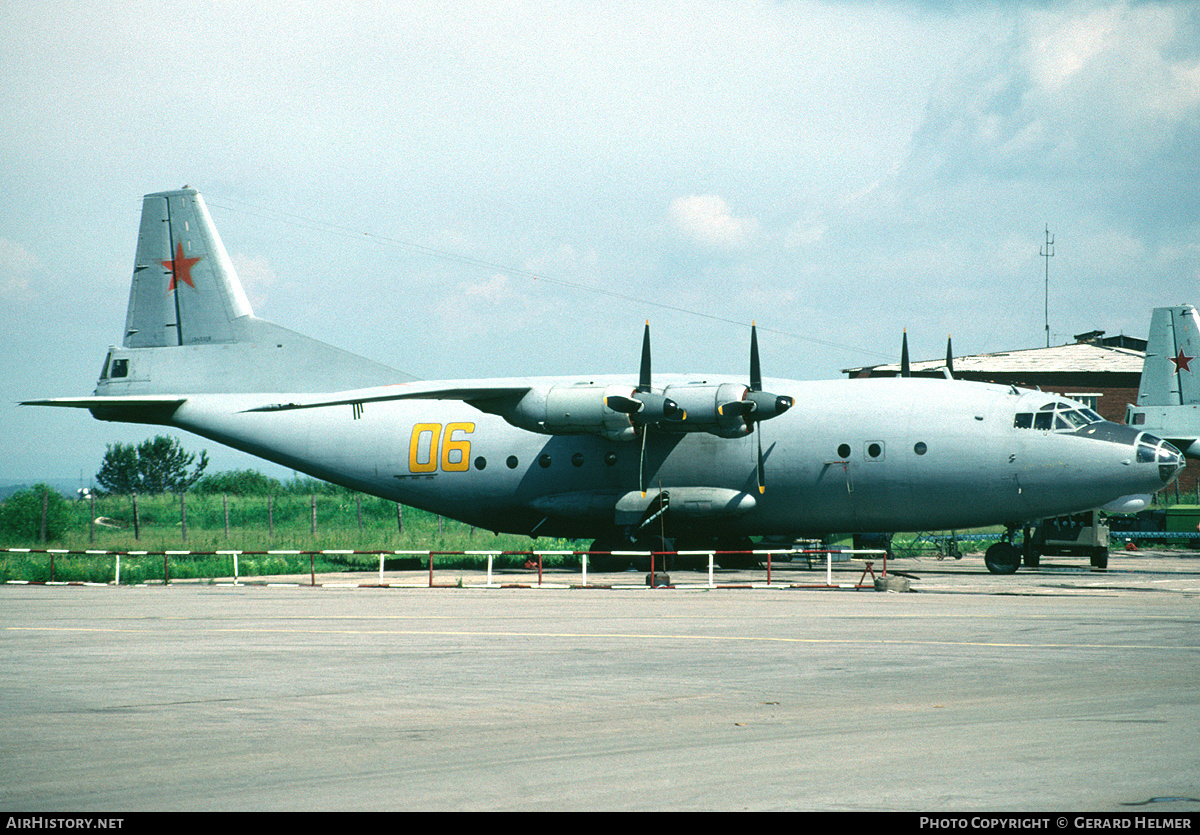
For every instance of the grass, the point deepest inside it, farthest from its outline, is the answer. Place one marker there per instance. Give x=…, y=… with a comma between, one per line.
x=344, y=522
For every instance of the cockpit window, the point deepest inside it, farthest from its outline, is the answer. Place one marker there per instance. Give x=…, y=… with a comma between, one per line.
x=1056, y=417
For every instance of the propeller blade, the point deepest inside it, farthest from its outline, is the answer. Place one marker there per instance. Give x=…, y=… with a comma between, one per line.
x=625, y=405
x=644, y=376
x=642, y=462
x=762, y=484
x=755, y=368
x=736, y=408
x=949, y=357
x=905, y=370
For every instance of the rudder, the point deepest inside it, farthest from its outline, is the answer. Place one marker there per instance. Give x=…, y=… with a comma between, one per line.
x=184, y=290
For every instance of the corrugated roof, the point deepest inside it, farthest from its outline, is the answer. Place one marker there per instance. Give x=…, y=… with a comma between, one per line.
x=1078, y=357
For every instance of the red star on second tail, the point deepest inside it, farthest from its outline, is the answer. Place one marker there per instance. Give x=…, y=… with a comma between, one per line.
x=1181, y=361
x=181, y=268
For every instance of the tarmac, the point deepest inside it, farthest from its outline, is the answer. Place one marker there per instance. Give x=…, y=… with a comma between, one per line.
x=1055, y=690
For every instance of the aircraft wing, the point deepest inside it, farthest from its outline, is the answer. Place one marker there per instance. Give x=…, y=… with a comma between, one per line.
x=486, y=398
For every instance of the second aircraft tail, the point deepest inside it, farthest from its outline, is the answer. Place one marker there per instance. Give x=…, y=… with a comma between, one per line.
x=1168, y=401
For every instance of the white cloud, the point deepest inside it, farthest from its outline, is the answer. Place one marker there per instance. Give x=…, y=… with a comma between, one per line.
x=17, y=265
x=1079, y=90
x=706, y=219
x=493, y=289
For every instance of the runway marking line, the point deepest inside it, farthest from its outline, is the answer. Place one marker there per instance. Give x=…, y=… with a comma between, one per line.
x=460, y=633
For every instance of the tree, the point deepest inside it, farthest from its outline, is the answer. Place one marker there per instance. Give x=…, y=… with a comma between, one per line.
x=119, y=471
x=159, y=465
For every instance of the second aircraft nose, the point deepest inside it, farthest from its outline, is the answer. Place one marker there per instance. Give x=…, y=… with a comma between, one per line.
x=1170, y=460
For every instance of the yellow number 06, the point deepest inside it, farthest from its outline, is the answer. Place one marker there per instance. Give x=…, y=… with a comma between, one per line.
x=455, y=453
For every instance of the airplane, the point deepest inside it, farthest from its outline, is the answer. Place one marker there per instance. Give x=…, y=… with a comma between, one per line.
x=692, y=461
x=1168, y=401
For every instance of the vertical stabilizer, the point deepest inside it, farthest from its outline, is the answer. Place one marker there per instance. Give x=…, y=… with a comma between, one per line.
x=185, y=291
x=1172, y=367
x=190, y=329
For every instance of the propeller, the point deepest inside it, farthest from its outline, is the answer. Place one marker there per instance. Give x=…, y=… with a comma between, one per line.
x=644, y=407
x=949, y=359
x=905, y=370
x=757, y=405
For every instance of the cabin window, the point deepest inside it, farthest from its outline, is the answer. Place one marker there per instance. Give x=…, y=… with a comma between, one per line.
x=843, y=451
x=610, y=458
x=512, y=462
x=480, y=463
x=875, y=450
x=1023, y=420
x=543, y=461
x=120, y=368
x=920, y=448
x=577, y=459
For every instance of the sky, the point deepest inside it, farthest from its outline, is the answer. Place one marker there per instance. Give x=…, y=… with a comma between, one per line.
x=479, y=189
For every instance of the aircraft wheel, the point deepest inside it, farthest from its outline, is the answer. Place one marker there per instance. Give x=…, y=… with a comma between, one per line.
x=608, y=562
x=657, y=544
x=1002, y=558
x=1100, y=559
x=736, y=560
x=1033, y=559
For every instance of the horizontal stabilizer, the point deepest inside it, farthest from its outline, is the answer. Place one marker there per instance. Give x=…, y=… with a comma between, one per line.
x=148, y=408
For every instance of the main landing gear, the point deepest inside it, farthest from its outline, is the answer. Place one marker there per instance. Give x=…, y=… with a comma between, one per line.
x=1003, y=557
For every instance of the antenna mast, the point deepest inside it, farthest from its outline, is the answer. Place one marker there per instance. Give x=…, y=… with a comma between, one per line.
x=1047, y=252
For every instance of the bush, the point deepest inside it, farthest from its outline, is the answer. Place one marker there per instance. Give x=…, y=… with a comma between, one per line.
x=240, y=483
x=21, y=514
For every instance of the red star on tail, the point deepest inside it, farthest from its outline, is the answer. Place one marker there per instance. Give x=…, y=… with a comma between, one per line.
x=181, y=268
x=1181, y=361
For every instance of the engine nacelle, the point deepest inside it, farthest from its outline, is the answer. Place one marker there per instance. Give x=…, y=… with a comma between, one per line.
x=727, y=410
x=703, y=402
x=573, y=410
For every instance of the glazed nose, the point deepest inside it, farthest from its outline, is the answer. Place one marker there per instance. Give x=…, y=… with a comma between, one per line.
x=1154, y=450
x=1170, y=462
